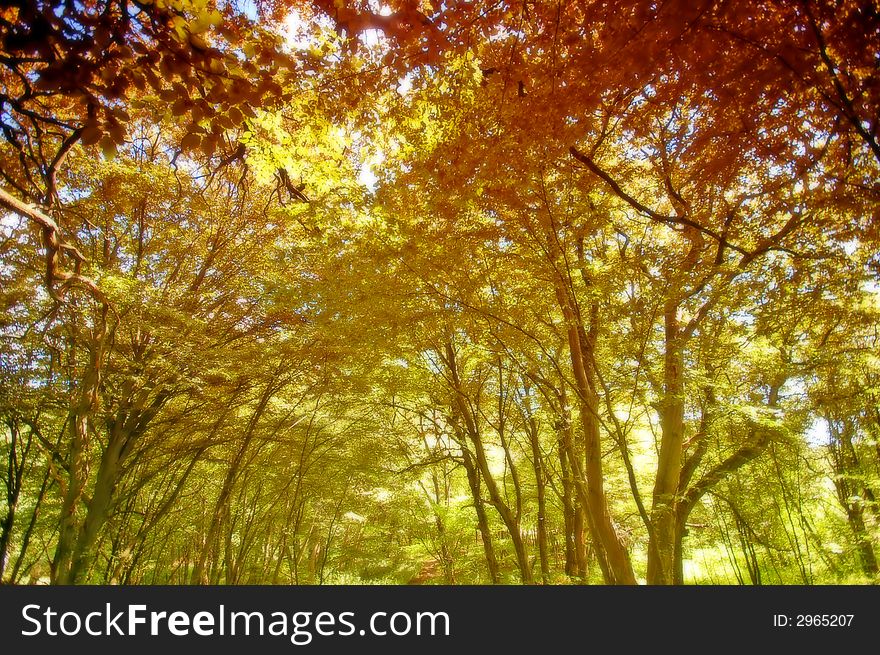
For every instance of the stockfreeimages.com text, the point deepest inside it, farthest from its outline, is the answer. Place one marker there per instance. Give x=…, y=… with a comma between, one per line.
x=300, y=627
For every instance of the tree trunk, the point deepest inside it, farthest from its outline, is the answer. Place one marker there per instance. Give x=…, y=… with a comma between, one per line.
x=96, y=514
x=661, y=553
x=567, y=510
x=540, y=489
x=678, y=552
x=573, y=511
x=445, y=554
x=15, y=467
x=130, y=424
x=610, y=549
x=81, y=407
x=864, y=543
x=850, y=484
x=482, y=520
x=580, y=527
x=200, y=573
x=589, y=478
x=508, y=517
x=29, y=530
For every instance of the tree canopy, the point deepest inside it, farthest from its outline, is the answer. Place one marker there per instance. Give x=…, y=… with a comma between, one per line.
x=413, y=291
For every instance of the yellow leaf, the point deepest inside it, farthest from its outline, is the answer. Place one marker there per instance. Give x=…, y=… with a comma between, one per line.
x=108, y=147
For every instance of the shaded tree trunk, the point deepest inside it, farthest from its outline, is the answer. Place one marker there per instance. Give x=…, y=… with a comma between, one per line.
x=26, y=537
x=759, y=439
x=540, y=489
x=445, y=554
x=852, y=491
x=82, y=405
x=15, y=467
x=208, y=552
x=129, y=425
x=473, y=477
x=508, y=517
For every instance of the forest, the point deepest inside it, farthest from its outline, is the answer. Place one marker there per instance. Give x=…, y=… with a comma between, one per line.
x=440, y=292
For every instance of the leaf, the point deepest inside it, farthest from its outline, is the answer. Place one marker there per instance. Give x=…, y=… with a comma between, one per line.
x=191, y=141
x=91, y=135
x=180, y=107
x=235, y=115
x=208, y=145
x=116, y=132
x=108, y=147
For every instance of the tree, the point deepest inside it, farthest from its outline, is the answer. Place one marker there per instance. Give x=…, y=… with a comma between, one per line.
x=521, y=292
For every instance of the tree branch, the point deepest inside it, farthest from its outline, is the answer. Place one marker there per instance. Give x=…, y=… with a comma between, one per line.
x=647, y=211
x=742, y=456
x=55, y=247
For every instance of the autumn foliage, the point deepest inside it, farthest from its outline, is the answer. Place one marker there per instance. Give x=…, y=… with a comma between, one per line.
x=298, y=292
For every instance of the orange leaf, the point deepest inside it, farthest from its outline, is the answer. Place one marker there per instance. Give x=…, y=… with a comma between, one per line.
x=91, y=135
x=191, y=141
